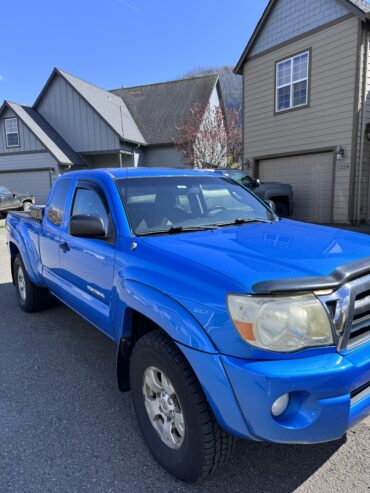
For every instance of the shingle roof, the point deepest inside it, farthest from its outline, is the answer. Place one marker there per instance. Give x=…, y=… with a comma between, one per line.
x=358, y=7
x=53, y=142
x=160, y=109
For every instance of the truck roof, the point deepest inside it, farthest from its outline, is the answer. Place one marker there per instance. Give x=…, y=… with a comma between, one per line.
x=141, y=172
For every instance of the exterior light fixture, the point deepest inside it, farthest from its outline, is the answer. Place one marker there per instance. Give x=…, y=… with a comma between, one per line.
x=340, y=153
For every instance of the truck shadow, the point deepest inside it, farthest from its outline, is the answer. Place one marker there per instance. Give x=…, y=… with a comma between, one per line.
x=58, y=393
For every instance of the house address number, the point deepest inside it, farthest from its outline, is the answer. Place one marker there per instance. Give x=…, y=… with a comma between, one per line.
x=343, y=167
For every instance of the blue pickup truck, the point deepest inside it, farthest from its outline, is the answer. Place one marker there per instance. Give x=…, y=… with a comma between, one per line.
x=229, y=321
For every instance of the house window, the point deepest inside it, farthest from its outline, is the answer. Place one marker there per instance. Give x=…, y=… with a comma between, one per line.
x=292, y=78
x=11, y=132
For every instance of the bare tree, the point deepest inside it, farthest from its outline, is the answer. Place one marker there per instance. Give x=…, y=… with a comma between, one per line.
x=210, y=137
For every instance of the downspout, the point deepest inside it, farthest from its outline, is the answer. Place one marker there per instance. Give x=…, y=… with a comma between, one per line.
x=134, y=151
x=363, y=122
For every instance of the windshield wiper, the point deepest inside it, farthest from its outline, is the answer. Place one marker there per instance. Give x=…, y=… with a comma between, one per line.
x=241, y=220
x=177, y=229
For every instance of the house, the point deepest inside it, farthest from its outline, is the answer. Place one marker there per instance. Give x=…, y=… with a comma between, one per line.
x=75, y=124
x=306, y=81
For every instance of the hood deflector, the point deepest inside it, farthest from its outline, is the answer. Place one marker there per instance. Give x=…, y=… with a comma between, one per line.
x=339, y=277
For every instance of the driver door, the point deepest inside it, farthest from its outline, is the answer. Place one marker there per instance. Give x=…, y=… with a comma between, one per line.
x=87, y=264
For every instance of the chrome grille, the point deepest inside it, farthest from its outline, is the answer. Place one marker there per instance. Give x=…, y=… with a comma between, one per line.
x=349, y=309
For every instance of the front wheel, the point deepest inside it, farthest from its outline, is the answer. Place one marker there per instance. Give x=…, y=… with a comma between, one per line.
x=31, y=298
x=26, y=206
x=172, y=411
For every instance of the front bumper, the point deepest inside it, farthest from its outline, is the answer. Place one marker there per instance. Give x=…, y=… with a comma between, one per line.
x=329, y=393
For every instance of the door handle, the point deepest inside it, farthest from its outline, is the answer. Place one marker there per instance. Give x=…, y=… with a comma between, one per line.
x=64, y=246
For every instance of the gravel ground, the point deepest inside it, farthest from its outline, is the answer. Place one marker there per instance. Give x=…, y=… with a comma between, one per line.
x=64, y=427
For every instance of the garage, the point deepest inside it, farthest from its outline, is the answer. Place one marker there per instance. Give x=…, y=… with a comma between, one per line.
x=34, y=182
x=311, y=176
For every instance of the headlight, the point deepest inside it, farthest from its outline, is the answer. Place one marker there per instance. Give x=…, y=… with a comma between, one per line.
x=282, y=324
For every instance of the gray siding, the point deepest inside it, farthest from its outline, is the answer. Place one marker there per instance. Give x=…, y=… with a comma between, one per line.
x=27, y=161
x=163, y=157
x=74, y=119
x=27, y=140
x=102, y=160
x=328, y=122
x=291, y=18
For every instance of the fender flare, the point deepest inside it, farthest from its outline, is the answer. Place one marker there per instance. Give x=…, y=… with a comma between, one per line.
x=163, y=310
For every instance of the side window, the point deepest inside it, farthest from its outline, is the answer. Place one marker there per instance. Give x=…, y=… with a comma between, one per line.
x=91, y=201
x=11, y=132
x=58, y=202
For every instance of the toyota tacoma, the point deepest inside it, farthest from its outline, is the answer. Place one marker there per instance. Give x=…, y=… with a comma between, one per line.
x=229, y=321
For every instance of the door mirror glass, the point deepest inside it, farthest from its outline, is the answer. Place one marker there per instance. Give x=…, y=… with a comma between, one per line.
x=87, y=226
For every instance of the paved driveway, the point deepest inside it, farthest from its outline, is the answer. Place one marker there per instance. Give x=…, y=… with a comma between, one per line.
x=64, y=427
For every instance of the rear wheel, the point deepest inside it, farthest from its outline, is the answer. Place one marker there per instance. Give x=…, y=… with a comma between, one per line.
x=173, y=413
x=31, y=298
x=26, y=206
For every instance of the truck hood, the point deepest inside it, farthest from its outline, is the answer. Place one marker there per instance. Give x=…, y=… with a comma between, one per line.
x=258, y=252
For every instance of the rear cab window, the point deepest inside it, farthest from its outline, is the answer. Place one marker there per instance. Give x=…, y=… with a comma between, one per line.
x=57, y=203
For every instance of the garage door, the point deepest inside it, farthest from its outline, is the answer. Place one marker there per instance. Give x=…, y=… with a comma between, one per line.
x=312, y=179
x=33, y=182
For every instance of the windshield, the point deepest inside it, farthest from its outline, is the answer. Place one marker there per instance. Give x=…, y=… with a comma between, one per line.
x=160, y=204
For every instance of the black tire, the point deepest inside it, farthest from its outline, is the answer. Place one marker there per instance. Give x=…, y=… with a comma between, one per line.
x=206, y=447
x=281, y=209
x=34, y=298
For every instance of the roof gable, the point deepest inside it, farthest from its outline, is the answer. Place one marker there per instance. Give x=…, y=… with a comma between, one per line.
x=285, y=19
x=51, y=140
x=160, y=109
x=109, y=106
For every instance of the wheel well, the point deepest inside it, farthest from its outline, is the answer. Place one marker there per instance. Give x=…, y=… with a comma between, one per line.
x=13, y=253
x=135, y=325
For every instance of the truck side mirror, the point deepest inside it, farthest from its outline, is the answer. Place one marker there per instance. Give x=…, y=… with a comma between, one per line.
x=86, y=226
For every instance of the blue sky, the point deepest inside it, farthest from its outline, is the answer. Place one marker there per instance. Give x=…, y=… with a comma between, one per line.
x=117, y=42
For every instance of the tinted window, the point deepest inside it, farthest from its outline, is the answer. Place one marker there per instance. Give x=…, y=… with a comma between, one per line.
x=91, y=201
x=58, y=202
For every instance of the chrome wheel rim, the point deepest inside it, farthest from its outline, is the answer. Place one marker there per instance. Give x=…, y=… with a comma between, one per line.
x=163, y=407
x=21, y=284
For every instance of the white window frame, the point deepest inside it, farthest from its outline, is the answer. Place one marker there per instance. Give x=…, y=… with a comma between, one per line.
x=292, y=83
x=11, y=133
